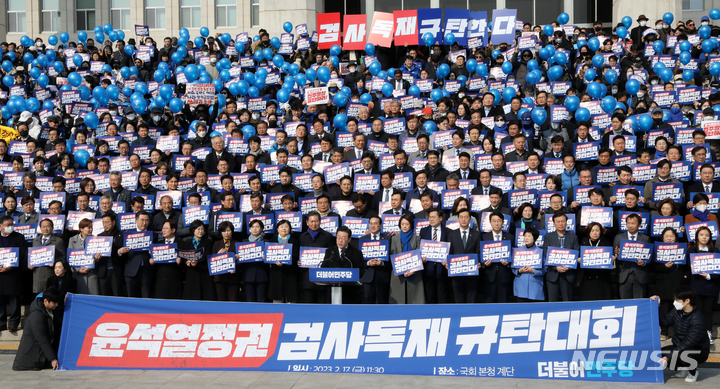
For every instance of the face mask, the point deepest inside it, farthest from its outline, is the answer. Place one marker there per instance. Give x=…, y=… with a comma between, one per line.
x=213, y=60
x=201, y=134
x=131, y=117
x=653, y=82
x=114, y=113
x=643, y=23
x=704, y=23
x=461, y=95
x=67, y=122
x=272, y=123
x=658, y=121
x=658, y=27
x=256, y=116
x=500, y=123
x=678, y=305
x=9, y=230
x=701, y=207
x=333, y=90
x=352, y=70
x=38, y=44
x=642, y=110
x=614, y=91
x=674, y=110
x=640, y=95
x=559, y=40
x=555, y=126
x=156, y=118
x=665, y=26
x=205, y=53
x=23, y=134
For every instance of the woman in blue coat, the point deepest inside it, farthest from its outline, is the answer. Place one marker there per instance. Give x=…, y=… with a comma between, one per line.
x=528, y=285
x=526, y=218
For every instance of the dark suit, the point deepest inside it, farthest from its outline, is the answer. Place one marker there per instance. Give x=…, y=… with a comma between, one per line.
x=211, y=162
x=378, y=197
x=464, y=288
x=351, y=258
x=497, y=277
x=159, y=219
x=138, y=274
x=492, y=112
x=471, y=174
x=435, y=277
x=42, y=273
x=123, y=196
x=376, y=280
x=699, y=187
x=633, y=277
x=404, y=169
x=560, y=284
x=34, y=193
x=194, y=189
x=11, y=280
x=310, y=292
x=350, y=154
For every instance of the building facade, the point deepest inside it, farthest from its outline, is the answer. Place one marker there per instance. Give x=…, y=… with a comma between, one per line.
x=166, y=17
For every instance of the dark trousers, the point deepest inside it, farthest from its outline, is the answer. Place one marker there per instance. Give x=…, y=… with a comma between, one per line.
x=465, y=289
x=10, y=305
x=141, y=284
x=496, y=292
x=111, y=285
x=632, y=288
x=697, y=356
x=560, y=290
x=227, y=291
x=377, y=292
x=256, y=292
x=436, y=290
x=315, y=296
x=706, y=305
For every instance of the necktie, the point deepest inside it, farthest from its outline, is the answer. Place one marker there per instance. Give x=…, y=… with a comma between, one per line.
x=358, y=154
x=422, y=155
x=397, y=212
x=486, y=191
x=82, y=244
x=707, y=188
x=464, y=175
x=557, y=155
x=387, y=195
x=374, y=237
x=632, y=237
x=325, y=157
x=342, y=253
x=464, y=238
x=497, y=237
x=435, y=234
x=44, y=241
x=457, y=152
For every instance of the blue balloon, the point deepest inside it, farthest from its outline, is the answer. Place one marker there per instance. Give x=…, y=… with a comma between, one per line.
x=300, y=80
x=714, y=14
x=52, y=40
x=323, y=74
x=365, y=98
x=539, y=115
x=142, y=88
x=704, y=32
x=275, y=42
x=544, y=53
x=496, y=93
x=668, y=18
x=442, y=71
x=340, y=121
x=507, y=67
x=28, y=58
x=112, y=36
x=627, y=21
x=287, y=26
x=429, y=127
x=428, y=38
x=608, y=104
x=81, y=157
x=508, y=93
x=549, y=30
x=127, y=92
x=82, y=36
x=64, y=37
x=91, y=120
x=369, y=49
x=590, y=74
x=666, y=74
x=335, y=50
x=621, y=32
x=43, y=81
x=334, y=61
x=598, y=60
x=572, y=103
x=435, y=95
x=176, y=105
x=374, y=68
x=248, y=131
x=555, y=72
x=414, y=90
x=582, y=114
x=594, y=90
x=33, y=105
x=715, y=69
x=495, y=53
x=707, y=46
x=74, y=79
x=481, y=70
x=532, y=77
x=658, y=46
x=199, y=42
x=645, y=122
x=686, y=46
x=688, y=75
x=191, y=72
x=685, y=57
x=268, y=54
x=218, y=85
x=278, y=60
x=449, y=38
x=204, y=31
x=563, y=18
x=283, y=95
x=7, y=65
x=560, y=58
x=594, y=43
x=253, y=92
x=387, y=89
x=611, y=76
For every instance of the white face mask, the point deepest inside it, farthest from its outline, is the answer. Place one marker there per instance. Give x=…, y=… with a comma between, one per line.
x=701, y=207
x=643, y=23
x=213, y=60
x=653, y=82
x=704, y=23
x=640, y=95
x=678, y=305
x=555, y=126
x=9, y=230
x=614, y=91
x=156, y=118
x=205, y=53
x=256, y=116
x=659, y=27
x=114, y=113
x=131, y=117
x=201, y=134
x=500, y=123
x=665, y=26
x=38, y=44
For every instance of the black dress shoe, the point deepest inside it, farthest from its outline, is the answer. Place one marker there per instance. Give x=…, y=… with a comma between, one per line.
x=13, y=328
x=3, y=327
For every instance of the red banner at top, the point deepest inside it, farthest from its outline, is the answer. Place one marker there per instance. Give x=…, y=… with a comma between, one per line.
x=381, y=33
x=328, y=30
x=354, y=32
x=406, y=27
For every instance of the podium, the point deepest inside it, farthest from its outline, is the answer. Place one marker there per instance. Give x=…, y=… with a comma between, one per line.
x=336, y=278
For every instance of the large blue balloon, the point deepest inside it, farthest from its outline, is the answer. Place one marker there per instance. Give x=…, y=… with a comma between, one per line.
x=429, y=127
x=75, y=79
x=563, y=18
x=594, y=43
x=387, y=89
x=572, y=103
x=436, y=95
x=658, y=46
x=539, y=115
x=33, y=105
x=81, y=157
x=707, y=46
x=323, y=74
x=283, y=95
x=248, y=131
x=608, y=104
x=668, y=18
x=549, y=30
x=632, y=87
x=91, y=120
x=715, y=69
x=481, y=70
x=598, y=60
x=176, y=105
x=685, y=57
x=533, y=77
x=665, y=74
x=204, y=31
x=714, y=14
x=82, y=36
x=414, y=90
x=43, y=81
x=611, y=76
x=555, y=72
x=645, y=122
x=594, y=90
x=340, y=121
x=449, y=38
x=191, y=72
x=335, y=50
x=688, y=75
x=508, y=93
x=507, y=67
x=428, y=38
x=590, y=74
x=369, y=49
x=64, y=37
x=582, y=114
x=443, y=71
x=52, y=40
x=287, y=26
x=621, y=32
x=560, y=58
x=275, y=42
x=704, y=32
x=627, y=21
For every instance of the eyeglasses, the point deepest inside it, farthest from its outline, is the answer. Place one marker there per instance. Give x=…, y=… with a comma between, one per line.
x=689, y=25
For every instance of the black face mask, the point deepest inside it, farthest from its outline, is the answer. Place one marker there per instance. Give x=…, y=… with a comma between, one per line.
x=658, y=121
x=641, y=110
x=265, y=43
x=272, y=123
x=23, y=134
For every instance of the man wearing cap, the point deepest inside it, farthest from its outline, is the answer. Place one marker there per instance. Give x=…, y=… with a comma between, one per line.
x=636, y=33
x=156, y=120
x=352, y=78
x=130, y=117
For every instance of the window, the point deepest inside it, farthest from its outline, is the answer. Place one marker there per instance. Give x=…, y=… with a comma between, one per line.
x=226, y=15
x=255, y=13
x=16, y=15
x=155, y=14
x=85, y=15
x=693, y=5
x=190, y=13
x=120, y=14
x=51, y=15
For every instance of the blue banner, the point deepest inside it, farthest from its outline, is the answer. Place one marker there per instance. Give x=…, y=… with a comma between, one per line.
x=430, y=20
x=503, y=26
x=450, y=340
x=456, y=23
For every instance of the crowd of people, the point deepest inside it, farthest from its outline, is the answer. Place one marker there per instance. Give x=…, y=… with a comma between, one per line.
x=517, y=131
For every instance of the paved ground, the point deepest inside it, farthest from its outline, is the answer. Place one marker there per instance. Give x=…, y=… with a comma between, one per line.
x=139, y=379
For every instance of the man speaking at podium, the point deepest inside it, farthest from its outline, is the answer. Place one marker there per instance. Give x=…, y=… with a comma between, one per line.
x=343, y=255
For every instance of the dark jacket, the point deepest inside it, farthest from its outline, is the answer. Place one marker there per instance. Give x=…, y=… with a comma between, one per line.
x=690, y=333
x=35, y=351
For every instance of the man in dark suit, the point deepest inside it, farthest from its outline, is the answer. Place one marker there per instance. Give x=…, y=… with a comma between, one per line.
x=464, y=240
x=496, y=195
x=484, y=188
x=376, y=280
x=28, y=188
x=112, y=279
x=497, y=276
x=201, y=178
x=314, y=236
x=166, y=213
x=138, y=272
x=46, y=238
x=344, y=255
x=396, y=201
x=435, y=277
x=634, y=276
x=286, y=185
x=361, y=207
x=326, y=150
x=116, y=191
x=399, y=83
x=401, y=163
x=465, y=171
x=560, y=280
x=359, y=148
x=488, y=109
x=218, y=152
x=385, y=192
x=706, y=184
